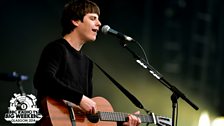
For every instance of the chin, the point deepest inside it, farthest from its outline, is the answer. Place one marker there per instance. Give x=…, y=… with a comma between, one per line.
x=92, y=39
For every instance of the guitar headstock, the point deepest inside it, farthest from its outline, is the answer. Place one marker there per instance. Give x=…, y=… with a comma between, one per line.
x=163, y=121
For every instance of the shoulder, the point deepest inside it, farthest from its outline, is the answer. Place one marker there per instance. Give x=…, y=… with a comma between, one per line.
x=59, y=43
x=55, y=46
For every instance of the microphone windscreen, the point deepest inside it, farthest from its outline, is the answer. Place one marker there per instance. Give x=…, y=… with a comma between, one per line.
x=105, y=29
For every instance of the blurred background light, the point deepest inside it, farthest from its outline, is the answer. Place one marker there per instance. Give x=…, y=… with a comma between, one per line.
x=204, y=119
x=218, y=121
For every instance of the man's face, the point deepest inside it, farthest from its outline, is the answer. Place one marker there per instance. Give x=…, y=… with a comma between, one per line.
x=89, y=27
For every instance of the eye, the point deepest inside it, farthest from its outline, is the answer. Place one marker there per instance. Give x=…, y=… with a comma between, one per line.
x=92, y=18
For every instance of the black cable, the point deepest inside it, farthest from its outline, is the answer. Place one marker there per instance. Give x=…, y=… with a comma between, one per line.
x=177, y=114
x=143, y=51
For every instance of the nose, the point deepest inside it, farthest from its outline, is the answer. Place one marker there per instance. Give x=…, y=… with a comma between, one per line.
x=98, y=23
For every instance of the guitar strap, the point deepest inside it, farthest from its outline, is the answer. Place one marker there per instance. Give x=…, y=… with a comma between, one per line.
x=131, y=97
x=71, y=113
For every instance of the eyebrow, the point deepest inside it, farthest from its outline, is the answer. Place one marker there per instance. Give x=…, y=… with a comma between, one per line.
x=93, y=16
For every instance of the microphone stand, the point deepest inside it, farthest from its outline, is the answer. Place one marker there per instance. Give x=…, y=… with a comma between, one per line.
x=19, y=84
x=176, y=93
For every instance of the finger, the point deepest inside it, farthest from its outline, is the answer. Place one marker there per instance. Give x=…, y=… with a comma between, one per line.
x=93, y=110
x=133, y=120
x=138, y=112
x=139, y=121
x=136, y=120
x=90, y=110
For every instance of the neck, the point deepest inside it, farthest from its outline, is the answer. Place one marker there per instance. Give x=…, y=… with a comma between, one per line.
x=74, y=41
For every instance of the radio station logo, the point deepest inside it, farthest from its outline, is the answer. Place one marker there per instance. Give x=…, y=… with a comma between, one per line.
x=23, y=110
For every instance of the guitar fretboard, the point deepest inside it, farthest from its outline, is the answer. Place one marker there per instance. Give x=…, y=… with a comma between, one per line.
x=119, y=116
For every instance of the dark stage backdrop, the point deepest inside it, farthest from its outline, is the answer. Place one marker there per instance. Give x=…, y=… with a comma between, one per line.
x=182, y=39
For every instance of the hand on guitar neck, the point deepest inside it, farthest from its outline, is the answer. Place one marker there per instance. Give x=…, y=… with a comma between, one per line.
x=133, y=120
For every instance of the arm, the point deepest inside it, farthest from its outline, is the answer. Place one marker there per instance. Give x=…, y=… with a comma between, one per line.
x=46, y=79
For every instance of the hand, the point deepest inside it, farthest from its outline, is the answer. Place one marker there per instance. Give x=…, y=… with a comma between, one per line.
x=133, y=120
x=88, y=105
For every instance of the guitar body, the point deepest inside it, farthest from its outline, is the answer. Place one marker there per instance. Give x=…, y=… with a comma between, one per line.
x=57, y=113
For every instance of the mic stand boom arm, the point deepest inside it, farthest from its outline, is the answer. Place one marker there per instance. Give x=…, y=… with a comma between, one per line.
x=176, y=93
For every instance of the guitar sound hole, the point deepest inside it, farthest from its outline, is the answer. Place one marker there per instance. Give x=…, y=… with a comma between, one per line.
x=94, y=118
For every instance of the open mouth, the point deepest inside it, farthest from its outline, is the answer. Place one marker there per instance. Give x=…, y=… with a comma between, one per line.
x=95, y=30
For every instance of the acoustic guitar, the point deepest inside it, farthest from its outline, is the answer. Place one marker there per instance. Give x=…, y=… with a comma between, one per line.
x=56, y=113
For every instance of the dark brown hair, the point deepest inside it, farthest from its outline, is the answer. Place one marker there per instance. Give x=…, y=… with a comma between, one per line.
x=76, y=10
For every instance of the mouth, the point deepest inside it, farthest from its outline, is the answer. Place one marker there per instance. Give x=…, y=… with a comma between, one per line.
x=95, y=30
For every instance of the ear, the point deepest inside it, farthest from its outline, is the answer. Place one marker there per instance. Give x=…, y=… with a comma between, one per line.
x=76, y=23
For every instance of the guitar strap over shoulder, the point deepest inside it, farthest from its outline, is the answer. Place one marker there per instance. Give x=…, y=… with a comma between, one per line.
x=131, y=97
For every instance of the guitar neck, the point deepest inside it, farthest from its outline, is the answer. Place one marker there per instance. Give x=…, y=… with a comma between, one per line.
x=119, y=116
x=59, y=115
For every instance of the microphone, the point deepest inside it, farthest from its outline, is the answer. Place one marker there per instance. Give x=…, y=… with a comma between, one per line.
x=13, y=77
x=107, y=30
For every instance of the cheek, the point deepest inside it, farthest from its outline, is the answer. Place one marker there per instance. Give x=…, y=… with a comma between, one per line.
x=85, y=31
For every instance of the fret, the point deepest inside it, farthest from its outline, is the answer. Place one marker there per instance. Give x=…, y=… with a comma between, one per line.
x=145, y=118
x=118, y=116
x=112, y=116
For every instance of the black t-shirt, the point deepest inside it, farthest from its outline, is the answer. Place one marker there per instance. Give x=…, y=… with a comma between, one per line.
x=63, y=73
